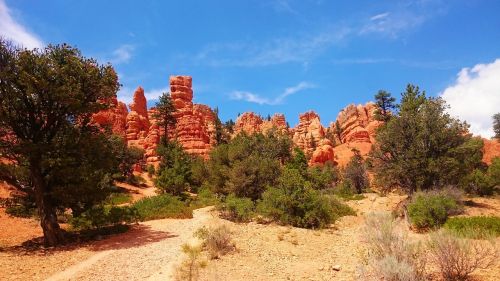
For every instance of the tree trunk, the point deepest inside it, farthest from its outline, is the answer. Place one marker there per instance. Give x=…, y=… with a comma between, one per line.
x=52, y=233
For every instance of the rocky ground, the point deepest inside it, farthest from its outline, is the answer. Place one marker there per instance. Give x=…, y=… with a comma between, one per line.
x=151, y=250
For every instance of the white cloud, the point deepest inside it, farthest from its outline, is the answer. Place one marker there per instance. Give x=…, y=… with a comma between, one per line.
x=380, y=16
x=12, y=30
x=475, y=96
x=122, y=54
x=255, y=98
x=273, y=52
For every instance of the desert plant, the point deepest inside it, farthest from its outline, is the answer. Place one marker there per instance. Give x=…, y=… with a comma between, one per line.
x=457, y=258
x=190, y=268
x=151, y=170
x=481, y=227
x=294, y=202
x=162, y=206
x=117, y=198
x=237, y=209
x=346, y=191
x=102, y=216
x=478, y=182
x=431, y=209
x=217, y=241
x=355, y=172
x=205, y=197
x=391, y=255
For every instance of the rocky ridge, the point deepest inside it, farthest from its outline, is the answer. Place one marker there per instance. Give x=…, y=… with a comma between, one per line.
x=354, y=127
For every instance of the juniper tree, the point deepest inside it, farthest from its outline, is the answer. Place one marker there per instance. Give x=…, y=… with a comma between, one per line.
x=496, y=125
x=47, y=98
x=385, y=104
x=164, y=115
x=422, y=146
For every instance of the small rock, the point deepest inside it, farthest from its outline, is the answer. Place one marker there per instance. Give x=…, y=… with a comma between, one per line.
x=336, y=267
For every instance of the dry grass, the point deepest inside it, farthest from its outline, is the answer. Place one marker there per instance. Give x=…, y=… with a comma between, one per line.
x=391, y=255
x=458, y=258
x=217, y=241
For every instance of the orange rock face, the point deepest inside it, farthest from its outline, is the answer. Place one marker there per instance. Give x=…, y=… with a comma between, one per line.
x=491, y=149
x=355, y=127
x=137, y=120
x=192, y=130
x=277, y=123
x=249, y=123
x=115, y=117
x=357, y=130
x=310, y=136
x=309, y=132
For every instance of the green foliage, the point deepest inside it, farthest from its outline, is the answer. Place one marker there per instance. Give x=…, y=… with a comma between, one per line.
x=47, y=97
x=174, y=172
x=21, y=211
x=355, y=173
x=118, y=198
x=293, y=201
x=199, y=173
x=496, y=125
x=164, y=115
x=494, y=171
x=385, y=103
x=431, y=209
x=247, y=164
x=298, y=160
x=482, y=227
x=237, y=209
x=222, y=132
x=478, y=182
x=323, y=177
x=423, y=147
x=161, y=207
x=151, y=170
x=205, y=197
x=126, y=156
x=102, y=216
x=346, y=191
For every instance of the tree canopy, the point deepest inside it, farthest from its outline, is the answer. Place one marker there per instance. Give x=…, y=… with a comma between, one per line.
x=422, y=146
x=47, y=99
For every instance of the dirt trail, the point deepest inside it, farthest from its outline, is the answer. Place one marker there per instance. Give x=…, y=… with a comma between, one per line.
x=148, y=252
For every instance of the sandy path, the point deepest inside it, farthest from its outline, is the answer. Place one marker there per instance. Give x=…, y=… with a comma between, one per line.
x=148, y=252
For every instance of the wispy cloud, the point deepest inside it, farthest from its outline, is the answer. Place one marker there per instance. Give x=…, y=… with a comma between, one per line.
x=15, y=31
x=255, y=98
x=122, y=54
x=276, y=51
x=402, y=17
x=380, y=16
x=283, y=6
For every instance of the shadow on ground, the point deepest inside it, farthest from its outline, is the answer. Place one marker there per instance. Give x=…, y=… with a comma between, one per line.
x=138, y=235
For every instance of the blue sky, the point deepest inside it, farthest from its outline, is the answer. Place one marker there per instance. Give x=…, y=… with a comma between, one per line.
x=283, y=55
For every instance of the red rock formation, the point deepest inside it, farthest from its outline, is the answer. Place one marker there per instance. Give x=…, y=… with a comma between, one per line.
x=191, y=129
x=277, y=123
x=138, y=120
x=357, y=130
x=249, y=123
x=309, y=132
x=323, y=153
x=115, y=117
x=208, y=117
x=491, y=149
